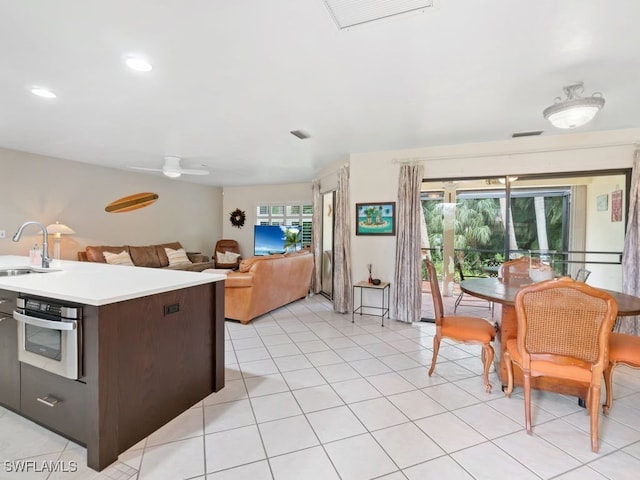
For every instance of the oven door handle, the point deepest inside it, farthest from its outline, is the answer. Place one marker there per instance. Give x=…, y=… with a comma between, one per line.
x=38, y=322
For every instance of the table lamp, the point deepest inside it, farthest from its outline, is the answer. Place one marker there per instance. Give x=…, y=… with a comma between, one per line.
x=57, y=230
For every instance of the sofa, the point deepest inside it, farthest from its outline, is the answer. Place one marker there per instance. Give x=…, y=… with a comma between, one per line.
x=264, y=283
x=166, y=255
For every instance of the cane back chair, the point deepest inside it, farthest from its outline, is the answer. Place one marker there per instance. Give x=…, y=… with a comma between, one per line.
x=563, y=332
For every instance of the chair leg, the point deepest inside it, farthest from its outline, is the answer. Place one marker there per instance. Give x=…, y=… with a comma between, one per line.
x=436, y=347
x=608, y=386
x=509, y=364
x=458, y=300
x=527, y=400
x=487, y=358
x=594, y=408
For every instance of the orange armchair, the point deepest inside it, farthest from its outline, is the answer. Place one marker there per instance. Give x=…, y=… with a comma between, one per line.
x=623, y=348
x=563, y=332
x=470, y=330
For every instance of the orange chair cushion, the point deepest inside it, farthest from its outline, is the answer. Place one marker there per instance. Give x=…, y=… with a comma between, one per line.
x=467, y=329
x=624, y=348
x=542, y=368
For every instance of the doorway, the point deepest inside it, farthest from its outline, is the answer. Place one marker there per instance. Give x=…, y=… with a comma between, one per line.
x=328, y=225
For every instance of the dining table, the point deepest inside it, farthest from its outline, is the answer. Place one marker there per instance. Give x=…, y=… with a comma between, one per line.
x=502, y=291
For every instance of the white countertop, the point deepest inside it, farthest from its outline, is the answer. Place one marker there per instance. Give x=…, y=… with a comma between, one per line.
x=96, y=283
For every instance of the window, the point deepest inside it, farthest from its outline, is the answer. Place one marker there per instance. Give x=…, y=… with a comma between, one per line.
x=298, y=214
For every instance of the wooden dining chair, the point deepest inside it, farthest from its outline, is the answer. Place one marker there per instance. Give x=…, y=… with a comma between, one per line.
x=472, y=302
x=463, y=329
x=625, y=349
x=563, y=332
x=517, y=268
x=582, y=275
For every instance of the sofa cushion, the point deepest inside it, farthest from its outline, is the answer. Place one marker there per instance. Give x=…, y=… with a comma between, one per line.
x=95, y=253
x=247, y=263
x=192, y=267
x=121, y=258
x=177, y=257
x=145, y=256
x=162, y=255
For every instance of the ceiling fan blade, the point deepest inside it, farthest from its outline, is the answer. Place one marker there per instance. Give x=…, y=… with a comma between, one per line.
x=146, y=169
x=194, y=171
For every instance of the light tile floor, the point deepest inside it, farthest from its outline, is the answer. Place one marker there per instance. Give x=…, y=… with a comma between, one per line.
x=309, y=395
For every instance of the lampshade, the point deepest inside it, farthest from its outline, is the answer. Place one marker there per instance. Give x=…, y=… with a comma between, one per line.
x=575, y=110
x=58, y=229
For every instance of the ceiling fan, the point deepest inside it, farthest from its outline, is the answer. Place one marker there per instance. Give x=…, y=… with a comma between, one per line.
x=172, y=168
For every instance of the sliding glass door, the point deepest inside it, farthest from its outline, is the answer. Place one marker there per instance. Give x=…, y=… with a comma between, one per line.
x=478, y=223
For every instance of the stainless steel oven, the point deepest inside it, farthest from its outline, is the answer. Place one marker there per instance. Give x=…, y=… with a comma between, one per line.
x=50, y=336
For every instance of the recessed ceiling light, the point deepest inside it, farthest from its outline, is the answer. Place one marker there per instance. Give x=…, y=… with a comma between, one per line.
x=43, y=92
x=138, y=64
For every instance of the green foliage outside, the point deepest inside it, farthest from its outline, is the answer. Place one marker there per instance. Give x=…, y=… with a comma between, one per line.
x=292, y=239
x=479, y=227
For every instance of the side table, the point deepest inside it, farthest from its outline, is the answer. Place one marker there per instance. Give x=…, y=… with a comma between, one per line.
x=383, y=287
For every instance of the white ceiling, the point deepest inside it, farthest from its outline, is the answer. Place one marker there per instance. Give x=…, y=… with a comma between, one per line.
x=231, y=79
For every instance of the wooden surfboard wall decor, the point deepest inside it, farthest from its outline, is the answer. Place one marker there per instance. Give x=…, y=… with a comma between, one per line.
x=131, y=202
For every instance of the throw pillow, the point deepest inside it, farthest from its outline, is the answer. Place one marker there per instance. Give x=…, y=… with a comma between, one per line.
x=227, y=257
x=177, y=257
x=121, y=258
x=231, y=257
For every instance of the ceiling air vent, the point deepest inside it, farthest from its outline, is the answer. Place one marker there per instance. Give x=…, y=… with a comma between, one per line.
x=348, y=13
x=526, y=134
x=302, y=135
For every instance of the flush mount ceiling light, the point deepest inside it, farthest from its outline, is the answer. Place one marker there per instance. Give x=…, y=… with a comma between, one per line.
x=348, y=13
x=575, y=110
x=138, y=64
x=43, y=92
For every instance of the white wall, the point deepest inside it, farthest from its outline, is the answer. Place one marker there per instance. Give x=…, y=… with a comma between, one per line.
x=604, y=235
x=47, y=190
x=247, y=199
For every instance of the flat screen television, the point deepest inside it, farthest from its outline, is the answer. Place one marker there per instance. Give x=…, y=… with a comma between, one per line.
x=270, y=239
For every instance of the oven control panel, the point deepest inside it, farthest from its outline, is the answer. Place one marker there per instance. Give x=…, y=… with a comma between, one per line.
x=33, y=305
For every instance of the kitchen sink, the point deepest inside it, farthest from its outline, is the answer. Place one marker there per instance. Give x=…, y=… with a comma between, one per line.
x=15, y=271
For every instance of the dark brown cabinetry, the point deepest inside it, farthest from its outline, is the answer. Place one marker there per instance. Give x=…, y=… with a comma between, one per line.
x=146, y=360
x=54, y=401
x=9, y=365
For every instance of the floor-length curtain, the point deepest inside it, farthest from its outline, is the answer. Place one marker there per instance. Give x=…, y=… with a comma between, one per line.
x=407, y=294
x=342, y=301
x=316, y=240
x=631, y=253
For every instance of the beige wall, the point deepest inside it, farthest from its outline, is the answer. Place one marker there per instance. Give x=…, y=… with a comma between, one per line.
x=247, y=199
x=46, y=189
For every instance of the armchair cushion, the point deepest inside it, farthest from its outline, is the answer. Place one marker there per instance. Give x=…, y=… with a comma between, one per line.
x=227, y=257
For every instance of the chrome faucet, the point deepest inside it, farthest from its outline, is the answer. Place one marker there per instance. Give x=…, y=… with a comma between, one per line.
x=46, y=262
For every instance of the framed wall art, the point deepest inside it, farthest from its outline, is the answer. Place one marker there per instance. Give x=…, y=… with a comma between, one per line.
x=602, y=202
x=616, y=206
x=376, y=218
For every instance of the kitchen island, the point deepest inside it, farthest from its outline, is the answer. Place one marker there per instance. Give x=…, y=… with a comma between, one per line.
x=152, y=345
